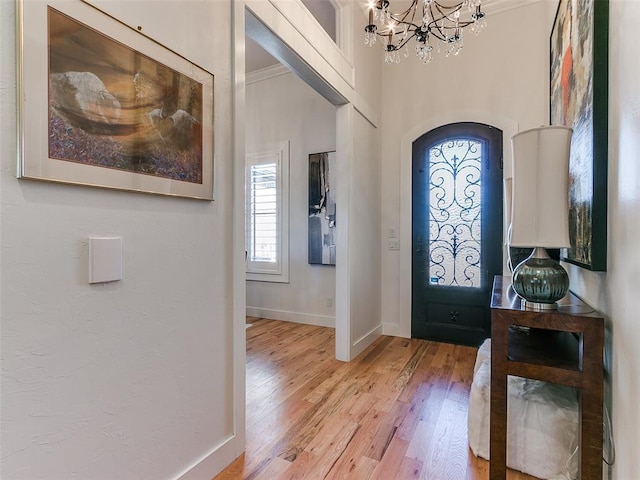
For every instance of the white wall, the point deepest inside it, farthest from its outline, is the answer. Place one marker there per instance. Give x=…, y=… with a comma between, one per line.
x=364, y=242
x=367, y=62
x=615, y=292
x=284, y=108
x=494, y=80
x=359, y=181
x=131, y=379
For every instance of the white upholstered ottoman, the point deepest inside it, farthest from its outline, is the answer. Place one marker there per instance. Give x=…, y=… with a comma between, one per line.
x=542, y=423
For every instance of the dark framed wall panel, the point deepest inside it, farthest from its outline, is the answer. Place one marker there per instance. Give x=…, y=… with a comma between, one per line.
x=579, y=99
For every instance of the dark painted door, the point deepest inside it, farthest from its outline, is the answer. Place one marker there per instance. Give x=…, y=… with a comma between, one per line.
x=457, y=231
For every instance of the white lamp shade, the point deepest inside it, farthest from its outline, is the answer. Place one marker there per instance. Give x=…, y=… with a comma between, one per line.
x=508, y=186
x=540, y=190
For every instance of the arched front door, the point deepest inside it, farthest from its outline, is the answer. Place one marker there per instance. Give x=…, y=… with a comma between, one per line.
x=457, y=231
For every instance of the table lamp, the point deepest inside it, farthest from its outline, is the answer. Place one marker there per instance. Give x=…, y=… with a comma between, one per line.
x=540, y=213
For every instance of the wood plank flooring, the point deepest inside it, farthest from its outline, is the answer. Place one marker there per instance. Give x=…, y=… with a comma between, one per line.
x=397, y=412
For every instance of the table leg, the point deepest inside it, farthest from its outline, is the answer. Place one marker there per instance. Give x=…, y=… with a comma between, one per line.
x=498, y=412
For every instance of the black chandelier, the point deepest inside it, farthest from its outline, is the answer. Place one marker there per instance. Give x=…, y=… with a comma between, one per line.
x=437, y=24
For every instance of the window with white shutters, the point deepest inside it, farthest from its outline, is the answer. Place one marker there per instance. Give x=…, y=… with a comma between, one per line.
x=267, y=204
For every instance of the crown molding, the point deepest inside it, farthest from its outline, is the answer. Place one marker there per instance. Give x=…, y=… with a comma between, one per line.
x=266, y=73
x=493, y=7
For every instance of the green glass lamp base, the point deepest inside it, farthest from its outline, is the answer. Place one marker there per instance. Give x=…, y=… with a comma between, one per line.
x=540, y=281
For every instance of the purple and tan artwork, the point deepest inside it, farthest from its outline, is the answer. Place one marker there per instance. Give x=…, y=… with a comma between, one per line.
x=111, y=106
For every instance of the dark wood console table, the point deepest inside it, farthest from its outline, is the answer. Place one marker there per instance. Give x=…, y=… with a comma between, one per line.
x=564, y=346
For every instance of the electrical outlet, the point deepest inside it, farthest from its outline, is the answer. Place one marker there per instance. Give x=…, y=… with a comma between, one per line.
x=329, y=302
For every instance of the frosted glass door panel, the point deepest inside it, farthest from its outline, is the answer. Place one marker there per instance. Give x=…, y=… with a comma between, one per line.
x=455, y=196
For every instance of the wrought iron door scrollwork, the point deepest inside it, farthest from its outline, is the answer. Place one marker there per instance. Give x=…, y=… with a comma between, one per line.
x=455, y=213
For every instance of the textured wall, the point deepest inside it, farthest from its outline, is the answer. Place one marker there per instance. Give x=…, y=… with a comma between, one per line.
x=364, y=242
x=130, y=379
x=615, y=292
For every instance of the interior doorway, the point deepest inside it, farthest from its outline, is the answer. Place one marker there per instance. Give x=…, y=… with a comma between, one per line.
x=329, y=298
x=288, y=126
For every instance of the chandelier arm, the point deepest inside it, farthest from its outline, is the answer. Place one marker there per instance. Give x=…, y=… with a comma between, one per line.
x=434, y=29
x=413, y=7
x=433, y=26
x=438, y=32
x=451, y=9
x=411, y=29
x=402, y=44
x=411, y=26
x=401, y=19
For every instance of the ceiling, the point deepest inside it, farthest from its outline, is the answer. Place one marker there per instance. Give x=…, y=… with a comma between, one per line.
x=256, y=58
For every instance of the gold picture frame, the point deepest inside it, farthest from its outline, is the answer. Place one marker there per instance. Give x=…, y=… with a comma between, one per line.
x=101, y=104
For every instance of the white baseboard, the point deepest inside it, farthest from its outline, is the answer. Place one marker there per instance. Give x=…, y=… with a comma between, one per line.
x=213, y=462
x=364, y=341
x=297, y=317
x=394, y=330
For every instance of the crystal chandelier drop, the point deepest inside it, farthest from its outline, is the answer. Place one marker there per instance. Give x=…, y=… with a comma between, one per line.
x=437, y=24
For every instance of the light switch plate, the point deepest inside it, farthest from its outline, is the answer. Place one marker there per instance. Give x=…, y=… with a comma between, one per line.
x=105, y=259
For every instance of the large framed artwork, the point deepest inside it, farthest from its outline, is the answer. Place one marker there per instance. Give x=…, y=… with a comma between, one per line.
x=103, y=105
x=579, y=90
x=322, y=208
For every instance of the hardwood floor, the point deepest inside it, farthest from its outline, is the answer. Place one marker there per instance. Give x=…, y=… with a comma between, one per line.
x=397, y=412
